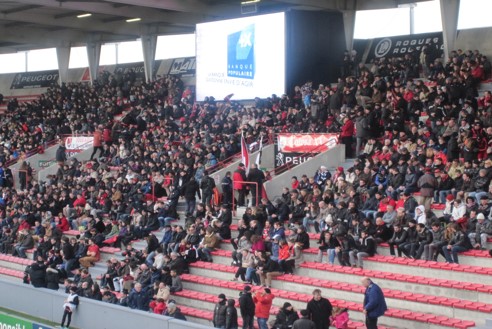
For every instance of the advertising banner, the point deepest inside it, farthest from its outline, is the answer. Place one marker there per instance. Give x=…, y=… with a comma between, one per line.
x=184, y=67
x=77, y=144
x=298, y=148
x=8, y=321
x=41, y=79
x=398, y=46
x=138, y=68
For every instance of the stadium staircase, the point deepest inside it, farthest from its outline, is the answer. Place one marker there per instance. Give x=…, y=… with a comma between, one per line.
x=420, y=294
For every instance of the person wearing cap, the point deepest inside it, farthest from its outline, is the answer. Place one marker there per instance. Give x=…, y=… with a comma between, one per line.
x=247, y=308
x=483, y=229
x=263, y=300
x=174, y=312
x=219, y=319
x=286, y=317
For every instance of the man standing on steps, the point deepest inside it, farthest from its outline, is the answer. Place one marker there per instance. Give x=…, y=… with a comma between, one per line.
x=255, y=176
x=319, y=310
x=374, y=303
x=247, y=307
x=220, y=311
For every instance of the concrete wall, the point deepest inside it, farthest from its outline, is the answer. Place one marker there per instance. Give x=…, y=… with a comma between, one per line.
x=47, y=304
x=51, y=170
x=267, y=161
x=331, y=158
x=49, y=154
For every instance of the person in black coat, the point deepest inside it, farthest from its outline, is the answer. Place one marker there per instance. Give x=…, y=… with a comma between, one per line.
x=231, y=315
x=319, y=310
x=285, y=317
x=247, y=307
x=138, y=298
x=37, y=273
x=226, y=184
x=255, y=176
x=190, y=190
x=52, y=278
x=302, y=237
x=220, y=312
x=61, y=155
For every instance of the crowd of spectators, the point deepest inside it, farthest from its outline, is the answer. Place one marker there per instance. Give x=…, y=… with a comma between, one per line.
x=418, y=145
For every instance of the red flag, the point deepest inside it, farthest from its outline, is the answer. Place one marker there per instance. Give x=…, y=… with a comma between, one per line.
x=244, y=154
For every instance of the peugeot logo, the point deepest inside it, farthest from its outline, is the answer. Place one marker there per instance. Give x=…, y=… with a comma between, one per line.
x=383, y=47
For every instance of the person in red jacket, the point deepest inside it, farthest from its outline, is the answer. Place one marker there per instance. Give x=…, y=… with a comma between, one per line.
x=238, y=177
x=263, y=303
x=158, y=306
x=97, y=142
x=63, y=224
x=80, y=201
x=347, y=136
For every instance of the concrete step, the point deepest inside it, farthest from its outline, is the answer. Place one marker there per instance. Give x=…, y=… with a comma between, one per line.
x=475, y=292
x=202, y=301
x=393, y=318
x=424, y=303
x=429, y=269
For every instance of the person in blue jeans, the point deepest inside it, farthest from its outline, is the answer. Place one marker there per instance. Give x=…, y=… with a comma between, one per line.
x=459, y=243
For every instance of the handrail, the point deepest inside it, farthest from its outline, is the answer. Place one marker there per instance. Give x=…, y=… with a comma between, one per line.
x=222, y=164
x=243, y=182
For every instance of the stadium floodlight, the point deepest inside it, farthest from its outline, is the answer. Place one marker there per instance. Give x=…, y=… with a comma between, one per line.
x=131, y=20
x=84, y=15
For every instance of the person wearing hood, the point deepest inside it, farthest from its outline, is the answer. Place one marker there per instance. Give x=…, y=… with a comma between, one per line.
x=231, y=315
x=286, y=317
x=420, y=216
x=220, y=312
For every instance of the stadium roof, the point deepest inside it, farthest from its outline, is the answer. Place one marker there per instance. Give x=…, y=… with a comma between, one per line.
x=30, y=24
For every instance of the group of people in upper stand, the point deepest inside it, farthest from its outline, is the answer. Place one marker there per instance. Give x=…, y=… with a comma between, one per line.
x=410, y=136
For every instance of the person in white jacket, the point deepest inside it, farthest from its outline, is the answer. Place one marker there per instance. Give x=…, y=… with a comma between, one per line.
x=459, y=210
x=420, y=216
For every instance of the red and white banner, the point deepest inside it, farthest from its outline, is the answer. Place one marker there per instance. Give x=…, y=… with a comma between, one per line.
x=299, y=148
x=305, y=143
x=77, y=144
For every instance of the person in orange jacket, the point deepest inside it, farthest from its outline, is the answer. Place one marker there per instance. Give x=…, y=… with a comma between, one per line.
x=263, y=303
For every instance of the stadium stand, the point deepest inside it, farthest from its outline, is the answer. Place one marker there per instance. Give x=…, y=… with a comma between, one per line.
x=421, y=177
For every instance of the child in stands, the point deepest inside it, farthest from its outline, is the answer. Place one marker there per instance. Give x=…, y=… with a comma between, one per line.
x=340, y=318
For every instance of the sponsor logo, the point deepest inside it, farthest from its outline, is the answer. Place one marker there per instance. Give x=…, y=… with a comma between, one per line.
x=41, y=79
x=183, y=66
x=241, y=54
x=383, y=47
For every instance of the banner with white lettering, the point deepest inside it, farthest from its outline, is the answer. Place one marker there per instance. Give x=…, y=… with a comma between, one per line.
x=298, y=148
x=77, y=144
x=138, y=68
x=398, y=46
x=41, y=79
x=184, y=67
